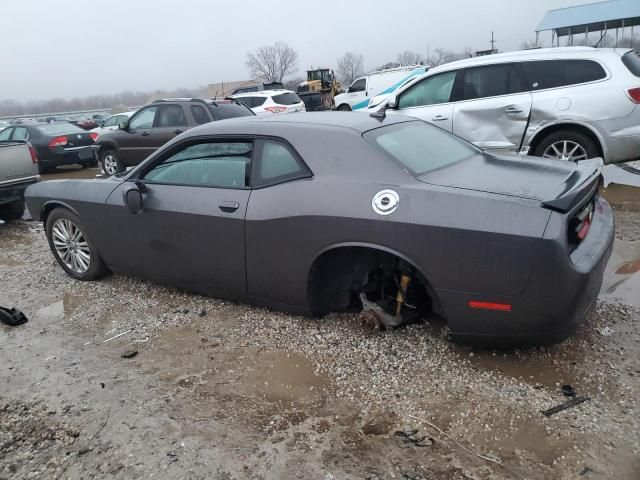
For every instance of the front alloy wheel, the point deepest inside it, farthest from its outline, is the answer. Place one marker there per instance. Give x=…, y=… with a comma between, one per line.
x=110, y=163
x=71, y=246
x=566, y=150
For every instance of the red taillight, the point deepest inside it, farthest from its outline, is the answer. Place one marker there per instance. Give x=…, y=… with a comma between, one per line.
x=634, y=94
x=505, y=307
x=276, y=109
x=34, y=154
x=584, y=229
x=93, y=136
x=58, y=142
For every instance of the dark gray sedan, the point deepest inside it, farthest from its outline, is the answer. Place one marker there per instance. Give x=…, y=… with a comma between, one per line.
x=321, y=212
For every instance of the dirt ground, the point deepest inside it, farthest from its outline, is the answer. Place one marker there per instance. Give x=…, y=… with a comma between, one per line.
x=217, y=390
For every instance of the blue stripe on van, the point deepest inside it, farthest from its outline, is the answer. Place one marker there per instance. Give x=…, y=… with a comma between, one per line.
x=414, y=73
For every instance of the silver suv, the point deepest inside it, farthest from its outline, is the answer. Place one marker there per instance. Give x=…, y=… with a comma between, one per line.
x=569, y=103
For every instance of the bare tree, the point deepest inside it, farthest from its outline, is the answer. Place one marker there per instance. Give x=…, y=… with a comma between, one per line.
x=440, y=56
x=350, y=66
x=272, y=62
x=528, y=45
x=410, y=58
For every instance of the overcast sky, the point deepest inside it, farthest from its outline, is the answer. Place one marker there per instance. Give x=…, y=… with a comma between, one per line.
x=67, y=48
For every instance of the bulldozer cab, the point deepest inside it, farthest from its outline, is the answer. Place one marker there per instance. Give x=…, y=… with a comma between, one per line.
x=323, y=75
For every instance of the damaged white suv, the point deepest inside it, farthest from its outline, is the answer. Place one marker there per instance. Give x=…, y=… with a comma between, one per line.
x=568, y=103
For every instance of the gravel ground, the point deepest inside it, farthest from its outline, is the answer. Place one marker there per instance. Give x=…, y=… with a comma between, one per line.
x=222, y=390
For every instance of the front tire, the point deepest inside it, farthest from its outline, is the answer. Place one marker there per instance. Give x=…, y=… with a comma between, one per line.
x=567, y=145
x=12, y=211
x=344, y=108
x=110, y=162
x=74, y=251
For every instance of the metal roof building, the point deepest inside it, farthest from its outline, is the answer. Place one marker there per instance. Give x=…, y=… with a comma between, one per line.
x=592, y=17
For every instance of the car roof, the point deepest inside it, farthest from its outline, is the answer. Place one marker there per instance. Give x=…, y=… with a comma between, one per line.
x=281, y=124
x=520, y=55
x=262, y=93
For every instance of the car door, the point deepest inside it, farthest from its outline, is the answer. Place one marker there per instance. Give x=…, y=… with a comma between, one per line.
x=170, y=121
x=430, y=99
x=135, y=143
x=190, y=232
x=357, y=94
x=494, y=106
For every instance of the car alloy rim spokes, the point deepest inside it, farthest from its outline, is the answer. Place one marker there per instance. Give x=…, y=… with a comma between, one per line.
x=110, y=165
x=566, y=150
x=71, y=245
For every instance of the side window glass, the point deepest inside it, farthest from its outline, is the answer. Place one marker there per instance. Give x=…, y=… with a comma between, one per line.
x=492, y=81
x=560, y=73
x=358, y=86
x=143, y=119
x=222, y=165
x=20, y=133
x=277, y=164
x=112, y=121
x=430, y=91
x=199, y=114
x=6, y=133
x=171, y=116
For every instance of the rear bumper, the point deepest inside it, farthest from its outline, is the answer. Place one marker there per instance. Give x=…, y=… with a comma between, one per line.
x=68, y=157
x=14, y=191
x=559, y=296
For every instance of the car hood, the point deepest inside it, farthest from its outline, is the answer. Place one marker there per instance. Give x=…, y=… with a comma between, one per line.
x=527, y=177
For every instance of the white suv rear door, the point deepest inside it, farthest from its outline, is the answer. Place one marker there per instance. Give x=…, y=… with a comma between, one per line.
x=493, y=107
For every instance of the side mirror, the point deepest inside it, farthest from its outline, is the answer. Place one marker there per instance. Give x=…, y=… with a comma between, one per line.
x=393, y=102
x=133, y=197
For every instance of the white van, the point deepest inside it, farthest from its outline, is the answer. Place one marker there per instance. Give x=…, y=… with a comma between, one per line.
x=373, y=84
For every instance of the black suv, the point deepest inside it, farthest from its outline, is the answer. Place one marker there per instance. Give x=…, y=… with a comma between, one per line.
x=155, y=124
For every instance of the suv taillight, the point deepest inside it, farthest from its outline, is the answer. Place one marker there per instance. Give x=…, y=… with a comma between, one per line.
x=93, y=135
x=58, y=142
x=34, y=154
x=276, y=109
x=634, y=94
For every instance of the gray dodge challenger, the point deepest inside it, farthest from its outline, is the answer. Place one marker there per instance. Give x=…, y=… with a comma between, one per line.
x=322, y=212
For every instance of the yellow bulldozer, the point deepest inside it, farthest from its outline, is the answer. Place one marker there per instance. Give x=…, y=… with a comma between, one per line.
x=319, y=89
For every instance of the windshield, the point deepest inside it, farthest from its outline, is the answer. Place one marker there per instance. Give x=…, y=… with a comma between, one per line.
x=58, y=129
x=419, y=147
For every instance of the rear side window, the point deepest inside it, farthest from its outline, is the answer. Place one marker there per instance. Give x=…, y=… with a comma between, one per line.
x=277, y=163
x=199, y=114
x=171, y=116
x=230, y=110
x=288, y=98
x=418, y=146
x=632, y=62
x=252, y=102
x=560, y=73
x=20, y=133
x=492, y=81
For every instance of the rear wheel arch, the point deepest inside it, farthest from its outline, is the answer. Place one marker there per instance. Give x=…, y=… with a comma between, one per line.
x=541, y=135
x=353, y=257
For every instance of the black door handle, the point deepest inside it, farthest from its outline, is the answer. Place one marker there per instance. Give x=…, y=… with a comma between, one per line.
x=145, y=134
x=228, y=207
x=178, y=131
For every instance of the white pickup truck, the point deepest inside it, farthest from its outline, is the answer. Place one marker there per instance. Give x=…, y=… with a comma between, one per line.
x=18, y=170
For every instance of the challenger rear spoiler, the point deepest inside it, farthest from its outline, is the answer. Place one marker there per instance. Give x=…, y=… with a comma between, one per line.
x=580, y=183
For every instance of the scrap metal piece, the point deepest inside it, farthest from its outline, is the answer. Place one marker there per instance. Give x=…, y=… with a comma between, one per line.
x=563, y=406
x=12, y=316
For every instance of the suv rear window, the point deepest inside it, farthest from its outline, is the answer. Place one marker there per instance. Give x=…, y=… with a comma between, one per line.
x=560, y=73
x=230, y=110
x=418, y=146
x=632, y=61
x=252, y=102
x=288, y=98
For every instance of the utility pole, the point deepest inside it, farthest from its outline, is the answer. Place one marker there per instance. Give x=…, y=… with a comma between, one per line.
x=493, y=42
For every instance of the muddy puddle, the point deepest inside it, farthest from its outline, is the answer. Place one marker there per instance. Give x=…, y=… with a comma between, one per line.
x=57, y=308
x=622, y=276
x=70, y=171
